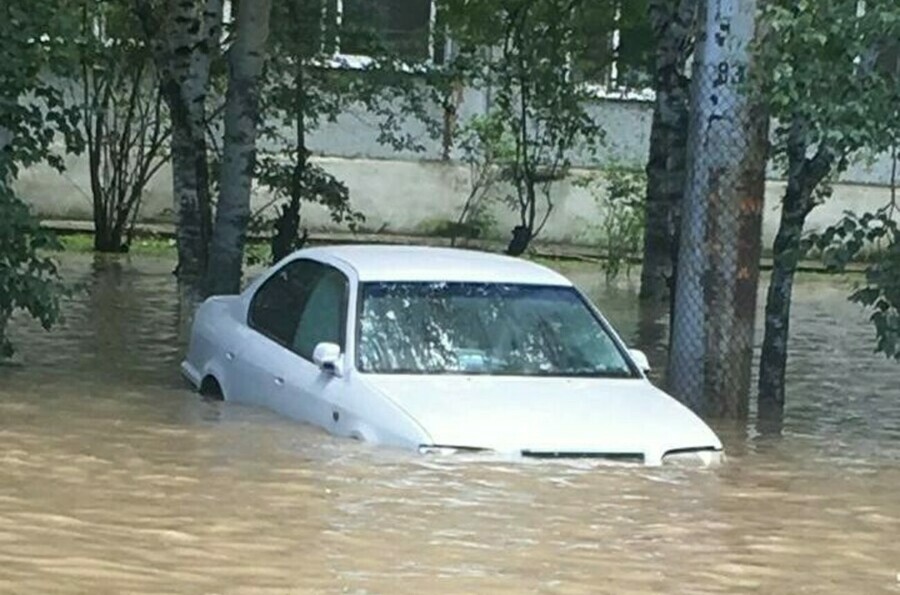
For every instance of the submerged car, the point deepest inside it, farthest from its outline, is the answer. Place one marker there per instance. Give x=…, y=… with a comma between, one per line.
x=439, y=350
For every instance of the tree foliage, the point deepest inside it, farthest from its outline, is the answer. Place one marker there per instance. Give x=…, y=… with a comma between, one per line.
x=522, y=53
x=833, y=100
x=29, y=279
x=487, y=150
x=621, y=228
x=34, y=53
x=298, y=95
x=307, y=84
x=826, y=83
x=123, y=116
x=832, y=85
x=876, y=238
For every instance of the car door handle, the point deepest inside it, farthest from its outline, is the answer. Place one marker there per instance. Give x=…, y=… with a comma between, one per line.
x=279, y=381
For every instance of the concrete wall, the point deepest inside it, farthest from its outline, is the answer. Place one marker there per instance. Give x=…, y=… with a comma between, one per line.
x=409, y=192
x=412, y=197
x=627, y=138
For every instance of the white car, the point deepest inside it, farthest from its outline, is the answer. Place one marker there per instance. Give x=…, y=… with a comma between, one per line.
x=439, y=350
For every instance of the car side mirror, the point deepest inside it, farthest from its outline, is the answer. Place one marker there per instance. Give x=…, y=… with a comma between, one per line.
x=328, y=357
x=640, y=358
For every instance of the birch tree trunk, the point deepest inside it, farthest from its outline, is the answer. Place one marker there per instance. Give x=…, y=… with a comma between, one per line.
x=674, y=29
x=245, y=63
x=184, y=41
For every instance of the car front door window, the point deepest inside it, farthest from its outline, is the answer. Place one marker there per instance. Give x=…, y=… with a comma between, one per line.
x=301, y=305
x=324, y=314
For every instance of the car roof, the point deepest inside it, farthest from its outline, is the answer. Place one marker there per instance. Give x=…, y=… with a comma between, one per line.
x=373, y=262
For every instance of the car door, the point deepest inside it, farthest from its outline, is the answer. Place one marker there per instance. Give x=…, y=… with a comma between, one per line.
x=309, y=393
x=297, y=307
x=261, y=354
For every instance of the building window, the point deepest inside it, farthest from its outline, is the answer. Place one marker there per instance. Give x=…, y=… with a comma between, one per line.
x=618, y=50
x=399, y=28
x=633, y=46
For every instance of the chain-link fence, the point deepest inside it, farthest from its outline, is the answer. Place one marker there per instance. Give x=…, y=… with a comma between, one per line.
x=718, y=265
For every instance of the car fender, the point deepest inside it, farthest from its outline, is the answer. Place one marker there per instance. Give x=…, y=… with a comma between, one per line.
x=374, y=417
x=213, y=322
x=215, y=369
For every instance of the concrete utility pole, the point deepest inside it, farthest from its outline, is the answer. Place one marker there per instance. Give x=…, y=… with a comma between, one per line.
x=718, y=269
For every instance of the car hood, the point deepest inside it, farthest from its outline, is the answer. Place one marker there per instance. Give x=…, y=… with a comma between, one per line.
x=548, y=416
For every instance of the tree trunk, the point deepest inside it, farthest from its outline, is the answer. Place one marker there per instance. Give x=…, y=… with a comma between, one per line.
x=804, y=175
x=190, y=177
x=773, y=361
x=673, y=26
x=104, y=240
x=523, y=234
x=184, y=39
x=94, y=120
x=287, y=225
x=6, y=166
x=245, y=63
x=521, y=238
x=5, y=139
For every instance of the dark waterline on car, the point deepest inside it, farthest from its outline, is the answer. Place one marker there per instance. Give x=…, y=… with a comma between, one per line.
x=114, y=477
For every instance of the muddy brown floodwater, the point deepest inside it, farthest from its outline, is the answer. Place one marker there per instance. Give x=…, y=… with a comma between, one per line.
x=115, y=478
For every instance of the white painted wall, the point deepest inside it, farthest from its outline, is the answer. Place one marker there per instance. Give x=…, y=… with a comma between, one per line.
x=408, y=191
x=410, y=197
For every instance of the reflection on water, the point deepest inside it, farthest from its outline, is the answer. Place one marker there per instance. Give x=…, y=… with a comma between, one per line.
x=115, y=478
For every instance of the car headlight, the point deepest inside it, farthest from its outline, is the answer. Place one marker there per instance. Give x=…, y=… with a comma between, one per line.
x=699, y=457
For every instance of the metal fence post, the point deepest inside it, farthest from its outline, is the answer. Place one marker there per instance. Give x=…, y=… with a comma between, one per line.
x=718, y=270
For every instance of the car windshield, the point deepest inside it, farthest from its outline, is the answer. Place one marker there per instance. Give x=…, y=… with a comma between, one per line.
x=483, y=328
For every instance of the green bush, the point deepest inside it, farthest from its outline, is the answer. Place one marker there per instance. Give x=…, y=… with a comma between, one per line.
x=478, y=224
x=620, y=232
x=879, y=232
x=29, y=280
